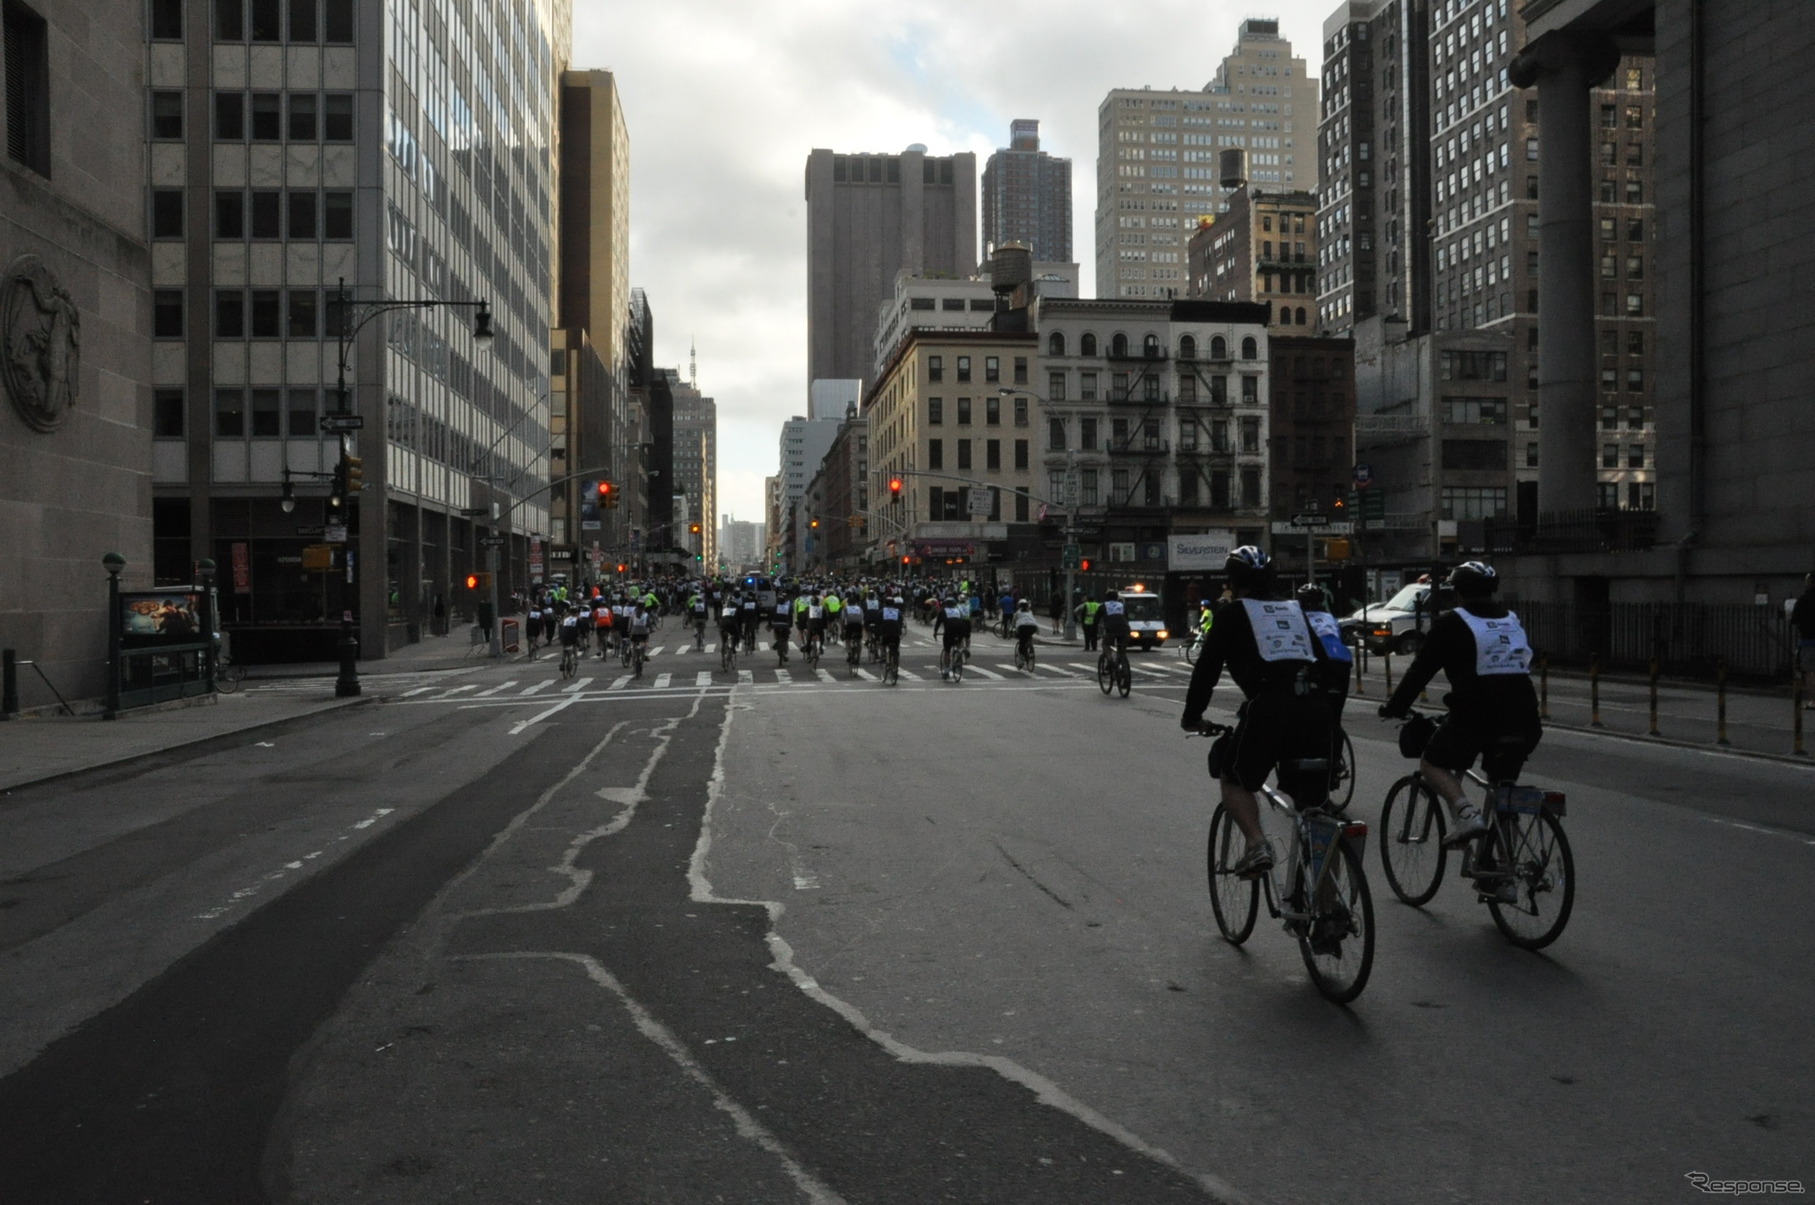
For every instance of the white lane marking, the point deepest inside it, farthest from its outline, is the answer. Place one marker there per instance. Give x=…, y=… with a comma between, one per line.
x=703, y=678
x=662, y=681
x=973, y=668
x=782, y=676
x=1044, y=1089
x=710, y=648
x=652, y=652
x=745, y=678
x=543, y=685
x=907, y=675
x=620, y=683
x=825, y=675
x=578, y=684
x=1760, y=828
x=420, y=690
x=866, y=675
x=494, y=690
x=252, y=889
x=1053, y=669
x=448, y=694
x=566, y=702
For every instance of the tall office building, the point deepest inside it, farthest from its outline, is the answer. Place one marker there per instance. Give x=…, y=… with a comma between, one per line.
x=405, y=150
x=1157, y=158
x=1027, y=196
x=696, y=466
x=868, y=217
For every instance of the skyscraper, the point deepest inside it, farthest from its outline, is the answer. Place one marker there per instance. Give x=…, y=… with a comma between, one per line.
x=869, y=216
x=375, y=145
x=1157, y=158
x=696, y=466
x=1027, y=196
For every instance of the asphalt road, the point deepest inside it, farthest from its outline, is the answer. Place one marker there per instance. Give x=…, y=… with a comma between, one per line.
x=818, y=939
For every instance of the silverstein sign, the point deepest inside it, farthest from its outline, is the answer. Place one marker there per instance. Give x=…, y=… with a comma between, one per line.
x=40, y=343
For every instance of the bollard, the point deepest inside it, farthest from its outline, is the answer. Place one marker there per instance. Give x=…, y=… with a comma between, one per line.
x=1361, y=682
x=9, y=684
x=1720, y=705
x=1544, y=687
x=1796, y=700
x=1654, y=731
x=1386, y=663
x=1594, y=691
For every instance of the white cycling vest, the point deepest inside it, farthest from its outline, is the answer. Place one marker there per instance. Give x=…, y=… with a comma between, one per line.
x=891, y=615
x=1280, y=630
x=1114, y=607
x=1501, y=646
x=1329, y=633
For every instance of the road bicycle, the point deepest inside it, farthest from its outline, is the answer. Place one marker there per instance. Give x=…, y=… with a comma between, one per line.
x=1342, y=771
x=1192, y=647
x=624, y=650
x=873, y=643
x=1024, y=655
x=951, y=664
x=1521, y=866
x=570, y=660
x=699, y=635
x=781, y=647
x=853, y=654
x=1112, y=670
x=1318, y=891
x=228, y=674
x=812, y=650
x=891, y=666
x=727, y=652
x=637, y=654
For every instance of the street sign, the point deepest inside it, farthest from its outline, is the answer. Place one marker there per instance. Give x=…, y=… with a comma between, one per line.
x=1311, y=519
x=309, y=529
x=1370, y=502
x=1071, y=557
x=493, y=541
x=335, y=533
x=982, y=500
x=1363, y=473
x=1330, y=527
x=339, y=423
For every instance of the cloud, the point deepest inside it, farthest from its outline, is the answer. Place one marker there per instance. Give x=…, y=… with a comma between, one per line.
x=725, y=98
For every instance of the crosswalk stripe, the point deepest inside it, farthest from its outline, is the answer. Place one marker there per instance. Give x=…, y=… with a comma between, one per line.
x=448, y=694
x=1053, y=669
x=745, y=678
x=543, y=685
x=619, y=683
x=420, y=690
x=662, y=681
x=652, y=652
x=866, y=675
x=908, y=674
x=973, y=668
x=711, y=648
x=577, y=684
x=703, y=678
x=784, y=677
x=485, y=694
x=825, y=675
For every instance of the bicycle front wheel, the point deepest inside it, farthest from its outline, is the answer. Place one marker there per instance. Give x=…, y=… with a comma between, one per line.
x=1124, y=677
x=1235, y=900
x=1338, y=942
x=1342, y=774
x=228, y=677
x=1105, y=675
x=1411, y=841
x=1189, y=649
x=1544, y=877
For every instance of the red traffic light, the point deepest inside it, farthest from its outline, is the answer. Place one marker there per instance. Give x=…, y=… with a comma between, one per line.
x=906, y=560
x=895, y=489
x=472, y=581
x=1084, y=565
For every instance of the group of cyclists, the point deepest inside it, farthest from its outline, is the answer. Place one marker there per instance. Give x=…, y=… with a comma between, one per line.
x=1288, y=660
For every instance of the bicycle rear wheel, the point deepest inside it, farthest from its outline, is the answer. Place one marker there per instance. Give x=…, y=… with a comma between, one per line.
x=1338, y=942
x=1411, y=841
x=1342, y=774
x=227, y=677
x=1105, y=675
x=1124, y=677
x=1235, y=900
x=1543, y=873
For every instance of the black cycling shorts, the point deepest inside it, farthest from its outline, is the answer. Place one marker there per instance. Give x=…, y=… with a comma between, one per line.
x=1278, y=725
x=1503, y=744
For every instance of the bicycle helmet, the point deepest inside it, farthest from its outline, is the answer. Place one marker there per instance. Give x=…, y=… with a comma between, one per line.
x=1110, y=595
x=1310, y=597
x=1473, y=579
x=1249, y=567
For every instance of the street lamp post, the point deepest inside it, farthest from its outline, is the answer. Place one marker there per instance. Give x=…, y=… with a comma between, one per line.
x=1070, y=501
x=352, y=318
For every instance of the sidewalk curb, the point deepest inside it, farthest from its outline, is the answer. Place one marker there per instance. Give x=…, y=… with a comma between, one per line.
x=196, y=747
x=1788, y=759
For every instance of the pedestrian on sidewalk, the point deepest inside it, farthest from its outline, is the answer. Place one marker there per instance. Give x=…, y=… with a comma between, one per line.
x=1802, y=618
x=440, y=628
x=1057, y=607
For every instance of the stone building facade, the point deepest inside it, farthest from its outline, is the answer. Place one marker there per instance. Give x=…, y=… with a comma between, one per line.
x=75, y=326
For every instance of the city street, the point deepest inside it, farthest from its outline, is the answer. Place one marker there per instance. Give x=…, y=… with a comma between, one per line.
x=794, y=935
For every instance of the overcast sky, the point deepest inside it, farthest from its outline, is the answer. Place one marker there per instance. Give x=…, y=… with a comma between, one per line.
x=725, y=98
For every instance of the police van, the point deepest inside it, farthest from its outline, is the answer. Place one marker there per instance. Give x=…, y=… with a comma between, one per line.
x=1146, y=613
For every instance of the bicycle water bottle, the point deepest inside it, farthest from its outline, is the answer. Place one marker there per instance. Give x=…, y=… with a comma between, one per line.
x=1320, y=838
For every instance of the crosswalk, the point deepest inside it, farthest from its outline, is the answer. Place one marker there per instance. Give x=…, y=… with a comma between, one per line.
x=983, y=672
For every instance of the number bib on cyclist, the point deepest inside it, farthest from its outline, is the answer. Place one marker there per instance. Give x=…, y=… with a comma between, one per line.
x=1329, y=634
x=1280, y=632
x=891, y=615
x=1501, y=646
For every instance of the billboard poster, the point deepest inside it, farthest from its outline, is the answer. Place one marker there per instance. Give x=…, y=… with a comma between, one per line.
x=159, y=617
x=1199, y=553
x=242, y=569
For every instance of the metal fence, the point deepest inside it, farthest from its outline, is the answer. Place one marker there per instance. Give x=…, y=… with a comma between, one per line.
x=1690, y=640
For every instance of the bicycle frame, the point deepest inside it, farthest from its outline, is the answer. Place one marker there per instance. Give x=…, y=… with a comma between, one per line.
x=1306, y=826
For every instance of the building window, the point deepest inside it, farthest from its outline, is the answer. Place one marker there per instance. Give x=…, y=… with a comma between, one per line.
x=267, y=214
x=229, y=116
x=1187, y=389
x=337, y=21
x=167, y=213
x=1087, y=434
x=167, y=314
x=1055, y=435
x=992, y=454
x=302, y=214
x=230, y=20
x=1635, y=380
x=167, y=115
x=229, y=412
x=167, y=417
x=304, y=315
x=230, y=214
x=1150, y=387
x=964, y=412
x=337, y=117
x=302, y=116
x=302, y=20
x=267, y=116
x=964, y=368
x=1087, y=488
x=1486, y=411
x=1635, y=342
x=1607, y=494
x=1250, y=434
x=1531, y=455
x=1610, y=456
x=935, y=411
x=1250, y=348
x=1087, y=386
x=1055, y=344
x=267, y=413
x=166, y=19
x=1020, y=506
x=1219, y=348
x=992, y=369
x=1020, y=370
x=230, y=314
x=1187, y=487
x=1187, y=348
x=1219, y=489
x=1055, y=386
x=267, y=25
x=935, y=368
x=1087, y=344
x=1635, y=456
x=1020, y=412
x=964, y=453
x=1473, y=502
x=1250, y=390
x=935, y=453
x=1635, y=305
x=1251, y=487
x=267, y=314
x=1021, y=453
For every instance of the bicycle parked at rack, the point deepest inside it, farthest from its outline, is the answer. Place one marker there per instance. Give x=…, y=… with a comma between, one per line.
x=1318, y=890
x=228, y=674
x=1522, y=867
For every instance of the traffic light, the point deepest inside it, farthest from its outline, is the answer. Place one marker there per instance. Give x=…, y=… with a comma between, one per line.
x=478, y=581
x=472, y=581
x=354, y=476
x=894, y=489
x=608, y=495
x=1341, y=503
x=906, y=560
x=695, y=529
x=1084, y=565
x=622, y=566
x=337, y=486
x=814, y=523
